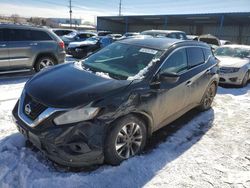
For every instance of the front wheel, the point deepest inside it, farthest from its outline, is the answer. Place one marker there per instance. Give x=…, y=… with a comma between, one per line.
x=208, y=97
x=126, y=139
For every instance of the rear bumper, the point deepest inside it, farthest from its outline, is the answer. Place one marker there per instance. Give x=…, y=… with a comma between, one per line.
x=77, y=145
x=61, y=57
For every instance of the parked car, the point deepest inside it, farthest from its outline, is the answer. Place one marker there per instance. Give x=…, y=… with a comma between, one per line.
x=166, y=33
x=61, y=32
x=25, y=47
x=192, y=37
x=213, y=41
x=77, y=36
x=130, y=34
x=225, y=42
x=115, y=37
x=106, y=107
x=234, y=64
x=82, y=49
x=103, y=33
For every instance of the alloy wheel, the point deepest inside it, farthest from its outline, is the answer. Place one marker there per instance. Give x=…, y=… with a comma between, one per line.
x=209, y=96
x=45, y=63
x=129, y=140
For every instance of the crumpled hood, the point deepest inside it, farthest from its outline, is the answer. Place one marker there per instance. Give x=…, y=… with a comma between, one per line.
x=232, y=62
x=82, y=43
x=68, y=86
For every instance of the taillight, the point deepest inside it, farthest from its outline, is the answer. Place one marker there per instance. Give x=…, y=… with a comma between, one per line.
x=61, y=44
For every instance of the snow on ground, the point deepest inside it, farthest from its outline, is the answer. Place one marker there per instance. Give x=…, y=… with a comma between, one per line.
x=210, y=150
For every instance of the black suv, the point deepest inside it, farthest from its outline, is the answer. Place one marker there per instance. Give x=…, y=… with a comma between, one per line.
x=25, y=47
x=106, y=107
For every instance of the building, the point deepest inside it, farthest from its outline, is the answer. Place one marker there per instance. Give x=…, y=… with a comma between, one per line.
x=66, y=21
x=228, y=26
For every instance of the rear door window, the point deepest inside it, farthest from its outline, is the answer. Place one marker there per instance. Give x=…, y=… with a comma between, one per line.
x=195, y=56
x=176, y=63
x=19, y=35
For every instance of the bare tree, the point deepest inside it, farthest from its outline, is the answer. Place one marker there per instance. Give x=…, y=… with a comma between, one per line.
x=15, y=18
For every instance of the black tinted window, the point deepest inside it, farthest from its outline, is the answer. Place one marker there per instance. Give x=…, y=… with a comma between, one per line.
x=82, y=36
x=207, y=53
x=19, y=35
x=40, y=36
x=176, y=63
x=27, y=35
x=172, y=35
x=1, y=35
x=195, y=56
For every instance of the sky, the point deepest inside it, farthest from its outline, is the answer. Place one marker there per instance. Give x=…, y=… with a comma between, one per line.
x=89, y=9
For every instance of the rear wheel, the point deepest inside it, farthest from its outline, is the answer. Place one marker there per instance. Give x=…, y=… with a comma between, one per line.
x=245, y=80
x=44, y=62
x=208, y=97
x=126, y=139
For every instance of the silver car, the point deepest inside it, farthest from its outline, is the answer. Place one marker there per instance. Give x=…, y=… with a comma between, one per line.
x=23, y=48
x=234, y=64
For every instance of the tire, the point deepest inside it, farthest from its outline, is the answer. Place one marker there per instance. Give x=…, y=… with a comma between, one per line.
x=44, y=62
x=208, y=97
x=245, y=80
x=119, y=139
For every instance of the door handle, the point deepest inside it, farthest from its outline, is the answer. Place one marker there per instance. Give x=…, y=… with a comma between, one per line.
x=208, y=71
x=33, y=44
x=188, y=83
x=2, y=45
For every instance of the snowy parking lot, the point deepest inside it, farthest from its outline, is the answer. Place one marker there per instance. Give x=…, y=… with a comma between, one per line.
x=210, y=149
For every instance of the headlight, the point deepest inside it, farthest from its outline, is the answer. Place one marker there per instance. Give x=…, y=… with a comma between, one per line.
x=77, y=115
x=229, y=70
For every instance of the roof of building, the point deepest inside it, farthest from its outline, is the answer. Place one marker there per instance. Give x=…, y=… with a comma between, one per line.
x=204, y=18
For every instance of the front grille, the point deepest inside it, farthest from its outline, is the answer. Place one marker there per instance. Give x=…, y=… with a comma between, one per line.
x=36, y=108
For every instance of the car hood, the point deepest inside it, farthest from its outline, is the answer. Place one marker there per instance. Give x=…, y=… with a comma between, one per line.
x=232, y=61
x=82, y=43
x=69, y=86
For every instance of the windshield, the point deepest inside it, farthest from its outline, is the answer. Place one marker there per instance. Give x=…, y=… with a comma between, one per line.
x=232, y=52
x=122, y=61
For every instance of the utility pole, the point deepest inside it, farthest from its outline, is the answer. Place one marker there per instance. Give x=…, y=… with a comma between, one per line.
x=70, y=13
x=120, y=8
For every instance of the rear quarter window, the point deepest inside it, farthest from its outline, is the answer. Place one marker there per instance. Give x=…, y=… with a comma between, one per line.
x=40, y=36
x=195, y=56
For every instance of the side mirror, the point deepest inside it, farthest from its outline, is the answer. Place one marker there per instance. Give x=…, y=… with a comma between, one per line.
x=169, y=77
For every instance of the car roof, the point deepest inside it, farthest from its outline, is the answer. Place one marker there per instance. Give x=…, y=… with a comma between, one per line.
x=160, y=43
x=85, y=32
x=237, y=46
x=164, y=31
x=20, y=26
x=57, y=29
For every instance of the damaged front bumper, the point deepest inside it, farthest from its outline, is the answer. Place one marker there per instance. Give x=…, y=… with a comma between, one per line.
x=74, y=145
